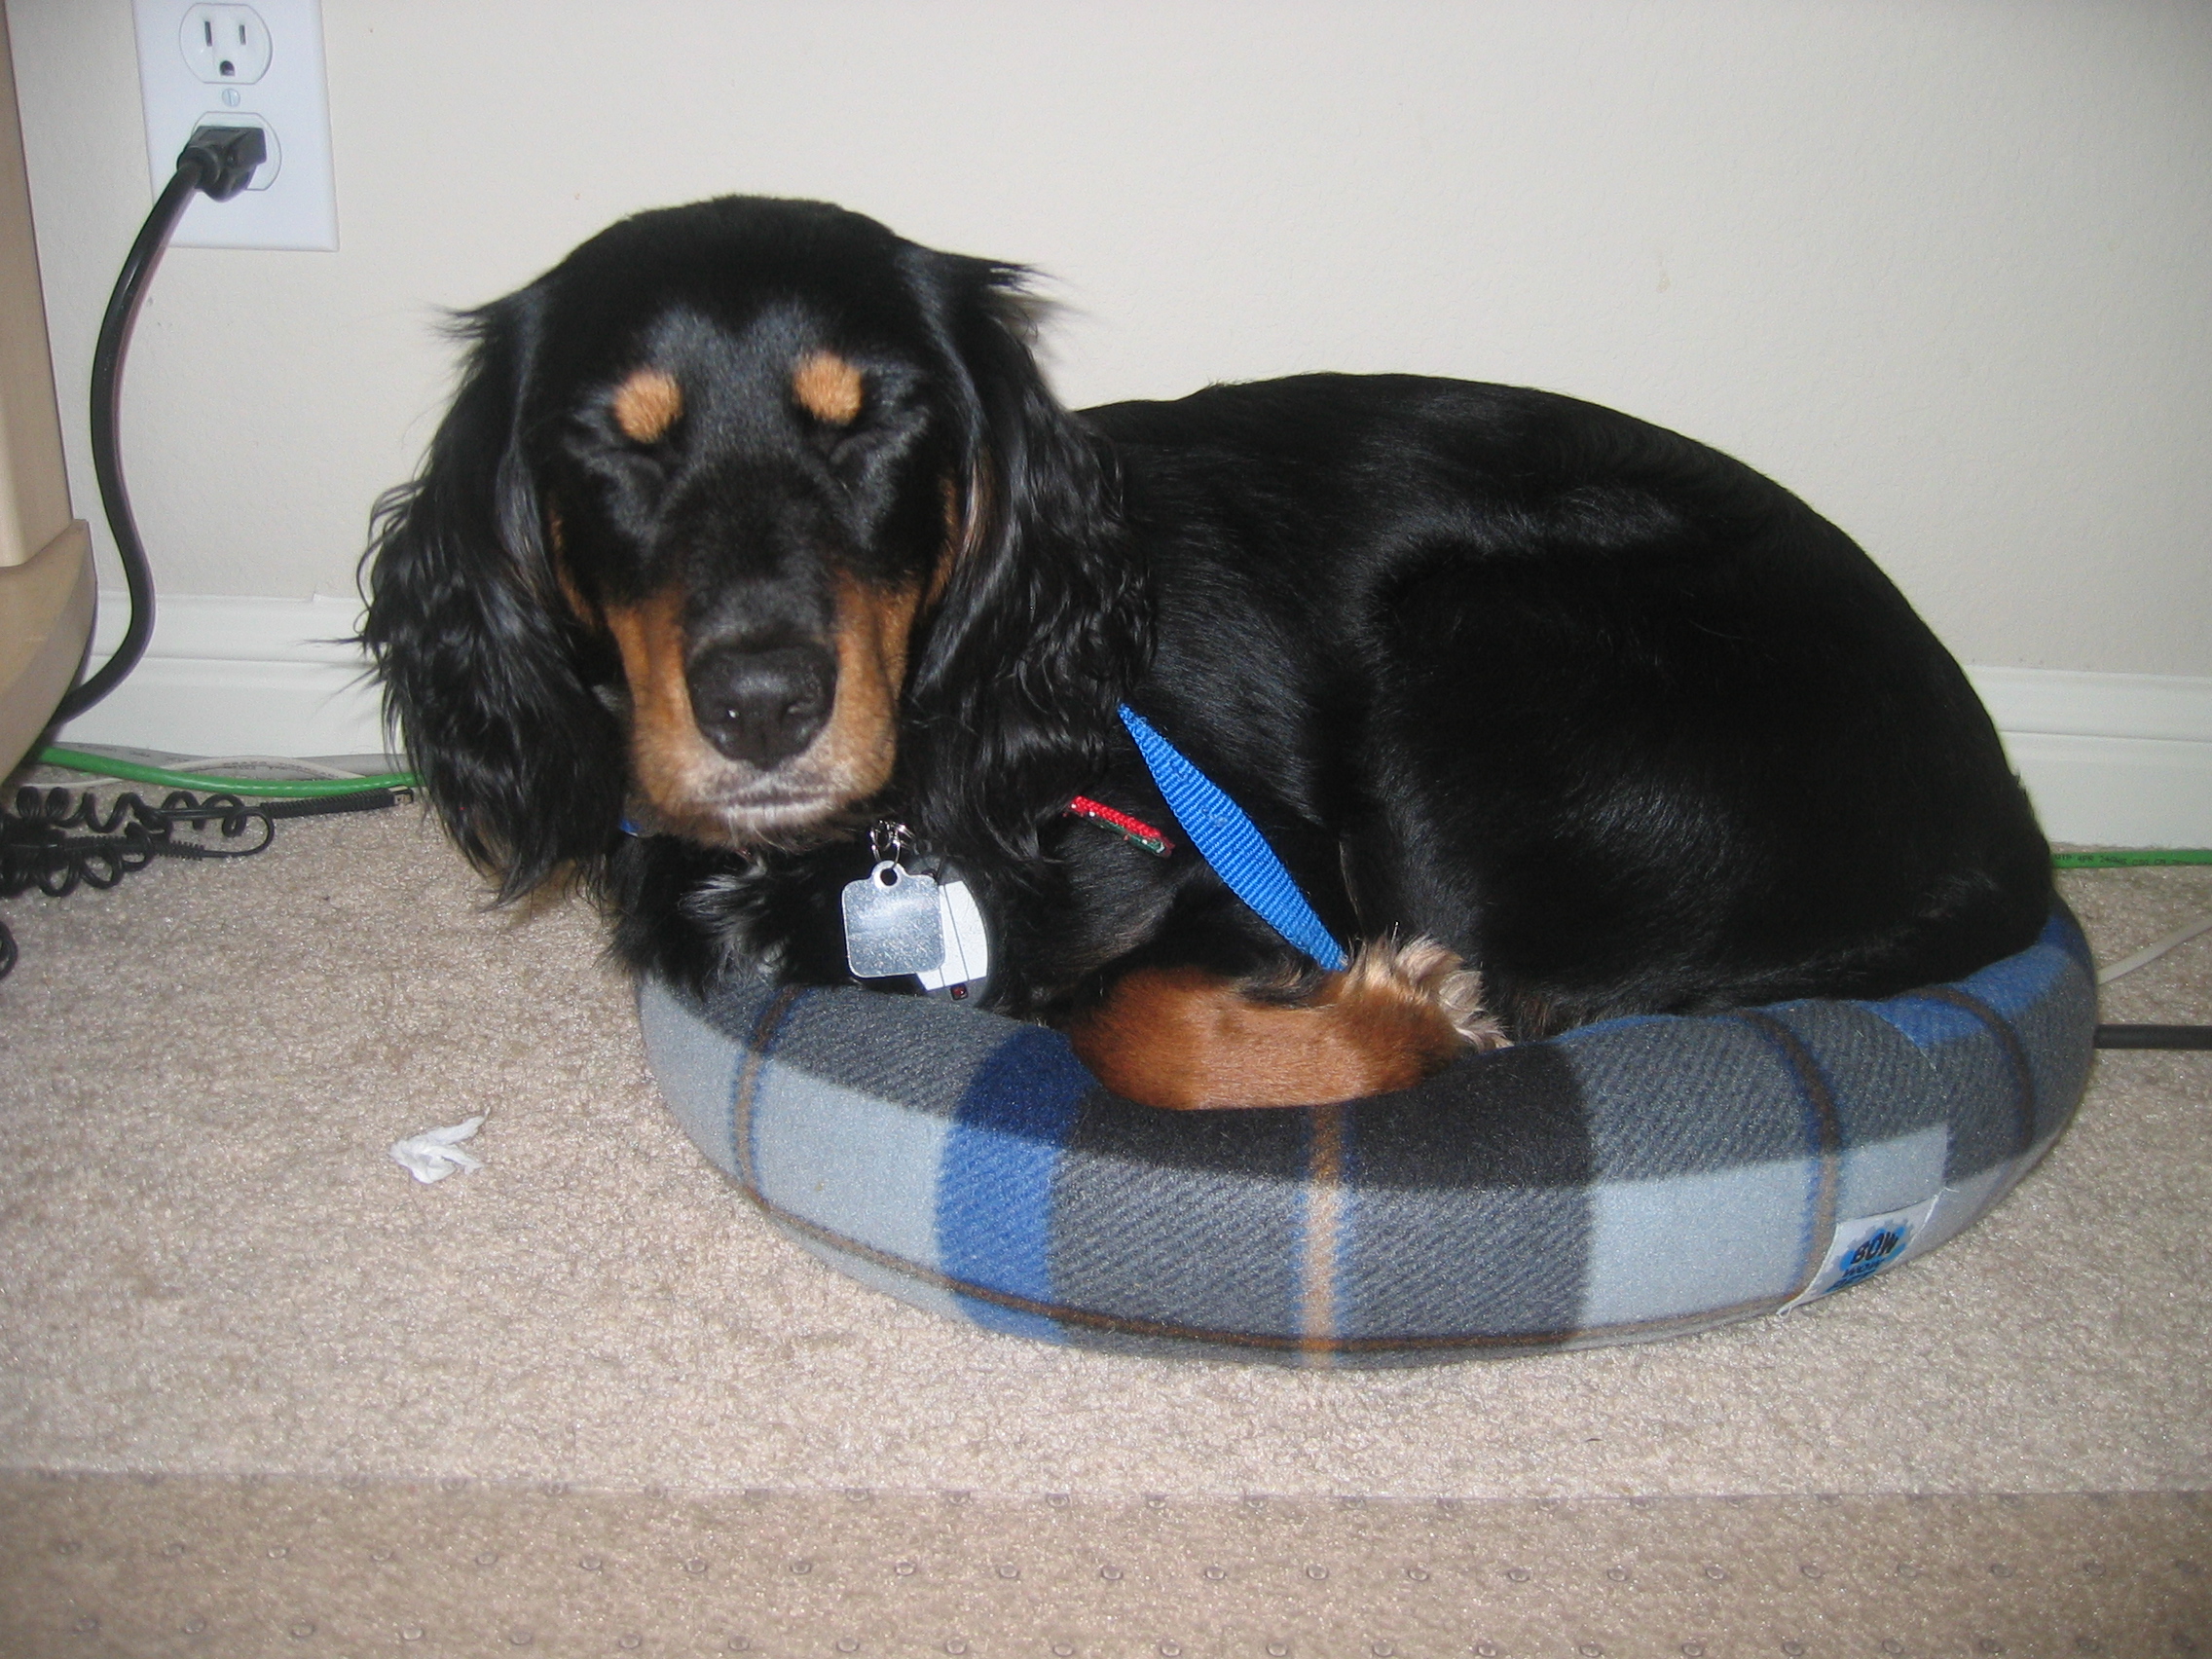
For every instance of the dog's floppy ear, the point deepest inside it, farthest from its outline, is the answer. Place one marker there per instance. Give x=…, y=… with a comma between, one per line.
x=481, y=659
x=1041, y=626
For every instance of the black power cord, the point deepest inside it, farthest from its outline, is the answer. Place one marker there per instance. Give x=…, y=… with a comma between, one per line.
x=37, y=848
x=217, y=161
x=2155, y=1035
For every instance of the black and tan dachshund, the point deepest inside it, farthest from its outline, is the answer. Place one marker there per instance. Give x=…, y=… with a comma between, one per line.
x=752, y=525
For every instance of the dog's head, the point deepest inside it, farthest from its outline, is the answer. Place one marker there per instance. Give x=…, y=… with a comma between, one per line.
x=719, y=498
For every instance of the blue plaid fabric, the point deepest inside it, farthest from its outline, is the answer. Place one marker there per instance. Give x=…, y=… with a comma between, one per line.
x=1630, y=1180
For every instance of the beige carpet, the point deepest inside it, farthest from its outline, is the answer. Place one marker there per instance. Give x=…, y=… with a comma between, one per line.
x=242, y=1353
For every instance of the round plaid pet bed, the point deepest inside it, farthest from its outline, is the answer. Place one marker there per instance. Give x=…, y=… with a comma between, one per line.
x=1629, y=1180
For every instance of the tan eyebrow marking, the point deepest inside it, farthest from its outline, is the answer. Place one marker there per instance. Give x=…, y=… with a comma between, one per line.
x=827, y=387
x=648, y=404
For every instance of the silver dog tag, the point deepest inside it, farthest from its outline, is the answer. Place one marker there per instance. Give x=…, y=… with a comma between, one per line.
x=892, y=925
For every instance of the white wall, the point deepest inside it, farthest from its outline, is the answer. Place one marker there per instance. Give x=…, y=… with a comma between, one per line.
x=1945, y=268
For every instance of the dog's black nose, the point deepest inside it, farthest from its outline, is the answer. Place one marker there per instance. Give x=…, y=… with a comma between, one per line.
x=762, y=706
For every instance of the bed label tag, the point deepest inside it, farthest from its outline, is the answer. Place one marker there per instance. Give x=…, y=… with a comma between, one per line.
x=892, y=923
x=1866, y=1247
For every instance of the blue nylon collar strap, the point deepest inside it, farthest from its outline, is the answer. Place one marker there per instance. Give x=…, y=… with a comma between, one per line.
x=1233, y=844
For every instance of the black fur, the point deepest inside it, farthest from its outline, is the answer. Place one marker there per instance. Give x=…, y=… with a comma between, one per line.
x=1621, y=722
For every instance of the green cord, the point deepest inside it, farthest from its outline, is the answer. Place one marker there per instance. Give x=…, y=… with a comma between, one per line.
x=268, y=789
x=2121, y=858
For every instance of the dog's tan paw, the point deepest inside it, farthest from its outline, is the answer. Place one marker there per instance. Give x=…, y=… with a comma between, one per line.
x=1422, y=983
x=1184, y=1038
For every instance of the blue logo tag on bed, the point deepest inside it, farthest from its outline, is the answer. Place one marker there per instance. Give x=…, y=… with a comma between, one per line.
x=1874, y=1252
x=1863, y=1248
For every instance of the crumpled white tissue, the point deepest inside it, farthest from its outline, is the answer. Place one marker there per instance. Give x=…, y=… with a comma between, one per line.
x=435, y=1154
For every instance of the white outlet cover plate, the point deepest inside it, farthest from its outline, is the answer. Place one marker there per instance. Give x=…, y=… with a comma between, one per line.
x=298, y=207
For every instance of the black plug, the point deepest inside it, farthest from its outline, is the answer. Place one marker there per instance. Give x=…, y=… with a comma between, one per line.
x=225, y=158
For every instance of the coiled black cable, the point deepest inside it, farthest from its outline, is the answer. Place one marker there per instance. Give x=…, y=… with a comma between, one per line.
x=39, y=849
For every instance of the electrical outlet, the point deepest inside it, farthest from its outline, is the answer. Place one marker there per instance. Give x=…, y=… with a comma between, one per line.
x=225, y=45
x=242, y=65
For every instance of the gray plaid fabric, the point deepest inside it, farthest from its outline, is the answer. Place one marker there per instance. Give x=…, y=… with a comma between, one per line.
x=1635, y=1179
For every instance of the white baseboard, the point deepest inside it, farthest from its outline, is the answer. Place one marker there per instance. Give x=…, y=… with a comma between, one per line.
x=2119, y=760
x=2111, y=759
x=237, y=675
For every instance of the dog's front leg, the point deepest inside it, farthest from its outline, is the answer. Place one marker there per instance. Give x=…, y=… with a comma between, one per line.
x=1188, y=1038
